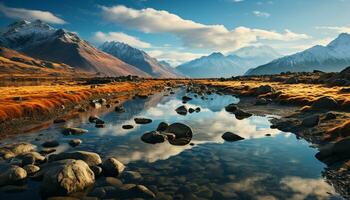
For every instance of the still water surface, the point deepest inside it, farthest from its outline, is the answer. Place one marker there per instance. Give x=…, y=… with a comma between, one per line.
x=260, y=167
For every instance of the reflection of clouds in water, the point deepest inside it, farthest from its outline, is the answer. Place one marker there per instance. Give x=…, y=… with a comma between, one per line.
x=306, y=188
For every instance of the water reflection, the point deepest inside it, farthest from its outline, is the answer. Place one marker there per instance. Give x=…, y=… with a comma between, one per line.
x=259, y=167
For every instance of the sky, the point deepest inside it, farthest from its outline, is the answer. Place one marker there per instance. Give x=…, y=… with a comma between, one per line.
x=180, y=30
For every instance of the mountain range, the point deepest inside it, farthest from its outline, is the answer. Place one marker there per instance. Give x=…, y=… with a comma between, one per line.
x=234, y=64
x=139, y=59
x=331, y=58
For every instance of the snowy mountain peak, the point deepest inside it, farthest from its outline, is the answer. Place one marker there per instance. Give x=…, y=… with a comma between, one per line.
x=342, y=40
x=24, y=27
x=216, y=55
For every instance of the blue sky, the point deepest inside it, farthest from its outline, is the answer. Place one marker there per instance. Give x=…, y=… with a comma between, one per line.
x=180, y=30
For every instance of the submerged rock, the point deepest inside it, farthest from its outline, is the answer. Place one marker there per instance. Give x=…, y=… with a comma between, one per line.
x=119, y=109
x=127, y=126
x=141, y=191
x=231, y=137
x=32, y=158
x=12, y=150
x=153, y=137
x=66, y=178
x=142, y=121
x=182, y=110
x=90, y=158
x=131, y=177
x=75, y=142
x=51, y=143
x=112, y=167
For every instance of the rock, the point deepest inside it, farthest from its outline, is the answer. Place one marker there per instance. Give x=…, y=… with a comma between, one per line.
x=11, y=174
x=162, y=126
x=97, y=170
x=231, y=137
x=131, y=177
x=66, y=178
x=198, y=109
x=47, y=151
x=99, y=125
x=127, y=126
x=325, y=103
x=74, y=131
x=183, y=134
x=50, y=144
x=141, y=191
x=311, y=121
x=112, y=167
x=268, y=134
x=142, y=121
x=182, y=110
x=191, y=110
x=12, y=150
x=96, y=105
x=75, y=142
x=291, y=80
x=89, y=157
x=102, y=101
x=119, y=109
x=231, y=107
x=264, y=89
x=153, y=137
x=31, y=169
x=169, y=136
x=93, y=119
x=186, y=98
x=32, y=158
x=330, y=116
x=262, y=101
x=60, y=120
x=240, y=114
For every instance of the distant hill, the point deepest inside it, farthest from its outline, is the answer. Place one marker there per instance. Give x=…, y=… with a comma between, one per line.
x=139, y=59
x=331, y=58
x=39, y=40
x=236, y=63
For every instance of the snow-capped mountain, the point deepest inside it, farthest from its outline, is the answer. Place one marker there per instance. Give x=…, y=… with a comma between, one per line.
x=138, y=58
x=236, y=63
x=331, y=58
x=39, y=40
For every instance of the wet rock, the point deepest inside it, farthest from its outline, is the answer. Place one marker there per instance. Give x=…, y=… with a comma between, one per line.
x=99, y=125
x=231, y=107
x=142, y=121
x=231, y=137
x=97, y=170
x=182, y=110
x=131, y=177
x=112, y=167
x=89, y=157
x=162, y=126
x=64, y=179
x=153, y=137
x=141, y=191
x=119, y=109
x=325, y=103
x=330, y=116
x=74, y=131
x=75, y=142
x=142, y=96
x=186, y=98
x=191, y=110
x=169, y=136
x=32, y=158
x=12, y=150
x=183, y=134
x=31, y=169
x=50, y=144
x=268, y=134
x=240, y=114
x=127, y=126
x=198, y=109
x=93, y=119
x=264, y=89
x=311, y=121
x=11, y=174
x=47, y=151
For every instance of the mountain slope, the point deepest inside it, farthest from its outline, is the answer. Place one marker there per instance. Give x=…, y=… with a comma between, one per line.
x=39, y=40
x=13, y=63
x=333, y=57
x=214, y=65
x=138, y=58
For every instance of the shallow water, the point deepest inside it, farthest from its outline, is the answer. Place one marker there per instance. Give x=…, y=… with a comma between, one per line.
x=260, y=167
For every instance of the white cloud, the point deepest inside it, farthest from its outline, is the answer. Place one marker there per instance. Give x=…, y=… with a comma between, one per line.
x=338, y=29
x=261, y=14
x=121, y=37
x=192, y=34
x=174, y=58
x=21, y=13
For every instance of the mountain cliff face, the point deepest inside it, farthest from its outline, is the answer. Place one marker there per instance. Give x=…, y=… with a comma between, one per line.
x=331, y=58
x=139, y=59
x=41, y=41
x=236, y=63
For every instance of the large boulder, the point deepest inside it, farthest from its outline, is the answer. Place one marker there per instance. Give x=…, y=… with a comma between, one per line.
x=183, y=134
x=90, y=158
x=264, y=89
x=325, y=103
x=11, y=174
x=12, y=150
x=311, y=121
x=66, y=178
x=153, y=137
x=112, y=167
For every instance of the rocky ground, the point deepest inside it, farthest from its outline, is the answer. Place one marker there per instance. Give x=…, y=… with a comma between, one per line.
x=314, y=106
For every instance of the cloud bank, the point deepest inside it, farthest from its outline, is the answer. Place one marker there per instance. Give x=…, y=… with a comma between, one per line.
x=21, y=13
x=120, y=37
x=192, y=34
